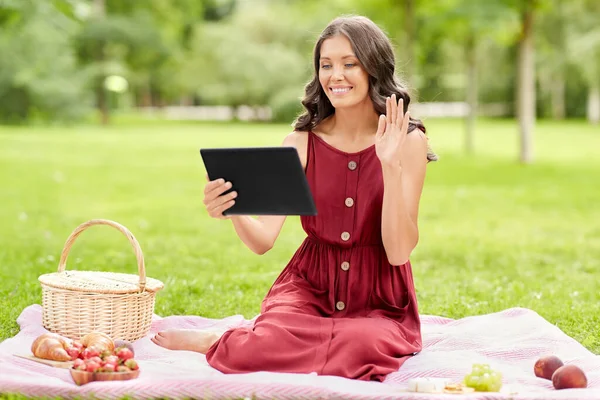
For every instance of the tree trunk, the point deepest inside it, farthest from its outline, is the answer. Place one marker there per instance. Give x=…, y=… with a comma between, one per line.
x=102, y=100
x=146, y=98
x=593, y=104
x=99, y=8
x=472, y=92
x=409, y=43
x=526, y=84
x=557, y=96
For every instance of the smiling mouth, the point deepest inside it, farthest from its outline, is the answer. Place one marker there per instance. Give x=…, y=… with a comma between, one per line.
x=340, y=91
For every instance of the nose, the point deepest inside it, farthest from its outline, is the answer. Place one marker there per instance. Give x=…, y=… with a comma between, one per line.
x=337, y=74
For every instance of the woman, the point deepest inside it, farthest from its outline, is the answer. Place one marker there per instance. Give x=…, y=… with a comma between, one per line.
x=345, y=304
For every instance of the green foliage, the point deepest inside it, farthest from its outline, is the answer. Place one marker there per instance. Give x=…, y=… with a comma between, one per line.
x=231, y=67
x=286, y=105
x=259, y=52
x=39, y=77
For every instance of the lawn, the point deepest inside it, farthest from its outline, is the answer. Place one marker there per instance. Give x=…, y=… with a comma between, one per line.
x=494, y=234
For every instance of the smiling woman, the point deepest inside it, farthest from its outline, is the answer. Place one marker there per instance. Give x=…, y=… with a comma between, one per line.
x=354, y=65
x=345, y=304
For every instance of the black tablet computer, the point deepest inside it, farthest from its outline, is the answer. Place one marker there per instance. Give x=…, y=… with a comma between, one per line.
x=268, y=180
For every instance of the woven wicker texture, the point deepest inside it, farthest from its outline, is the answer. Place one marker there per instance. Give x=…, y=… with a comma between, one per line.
x=98, y=282
x=75, y=303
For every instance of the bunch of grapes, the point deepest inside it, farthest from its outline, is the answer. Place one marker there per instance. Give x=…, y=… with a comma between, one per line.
x=483, y=379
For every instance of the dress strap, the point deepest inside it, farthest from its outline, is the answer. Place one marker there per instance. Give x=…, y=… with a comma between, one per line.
x=309, y=149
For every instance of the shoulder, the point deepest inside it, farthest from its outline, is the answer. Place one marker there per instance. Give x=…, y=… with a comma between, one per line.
x=296, y=139
x=299, y=140
x=416, y=145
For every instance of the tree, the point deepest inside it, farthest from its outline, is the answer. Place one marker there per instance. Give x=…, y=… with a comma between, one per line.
x=470, y=23
x=552, y=60
x=38, y=83
x=583, y=49
x=526, y=90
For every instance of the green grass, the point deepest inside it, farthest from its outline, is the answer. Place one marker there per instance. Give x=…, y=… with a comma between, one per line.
x=494, y=234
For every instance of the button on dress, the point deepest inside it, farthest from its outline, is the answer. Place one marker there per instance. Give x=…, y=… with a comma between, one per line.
x=338, y=307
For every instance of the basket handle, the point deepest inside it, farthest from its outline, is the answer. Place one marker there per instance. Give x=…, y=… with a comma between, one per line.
x=134, y=243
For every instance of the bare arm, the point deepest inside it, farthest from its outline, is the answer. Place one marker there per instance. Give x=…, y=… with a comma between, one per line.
x=403, y=185
x=258, y=234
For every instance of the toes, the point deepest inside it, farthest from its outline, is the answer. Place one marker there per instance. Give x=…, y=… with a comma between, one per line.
x=157, y=340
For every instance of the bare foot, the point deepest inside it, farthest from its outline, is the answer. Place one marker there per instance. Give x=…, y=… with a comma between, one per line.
x=186, y=339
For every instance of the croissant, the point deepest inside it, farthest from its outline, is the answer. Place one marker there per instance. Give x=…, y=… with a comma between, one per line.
x=51, y=346
x=99, y=341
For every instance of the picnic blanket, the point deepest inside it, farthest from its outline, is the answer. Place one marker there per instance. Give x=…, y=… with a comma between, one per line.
x=510, y=341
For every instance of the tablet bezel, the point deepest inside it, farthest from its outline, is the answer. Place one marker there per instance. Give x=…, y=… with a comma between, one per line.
x=300, y=200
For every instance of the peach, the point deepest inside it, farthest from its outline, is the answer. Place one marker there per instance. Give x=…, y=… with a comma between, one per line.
x=545, y=366
x=569, y=377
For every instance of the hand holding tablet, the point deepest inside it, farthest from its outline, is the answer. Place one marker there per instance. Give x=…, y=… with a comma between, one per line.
x=264, y=181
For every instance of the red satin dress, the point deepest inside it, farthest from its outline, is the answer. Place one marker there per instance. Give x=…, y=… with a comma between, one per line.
x=338, y=307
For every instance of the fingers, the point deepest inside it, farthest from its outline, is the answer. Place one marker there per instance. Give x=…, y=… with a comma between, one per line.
x=405, y=122
x=212, y=185
x=216, y=188
x=381, y=126
x=214, y=200
x=394, y=116
x=215, y=208
x=400, y=114
x=394, y=111
x=388, y=110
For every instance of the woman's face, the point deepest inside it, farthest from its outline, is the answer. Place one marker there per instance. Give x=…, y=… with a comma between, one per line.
x=342, y=77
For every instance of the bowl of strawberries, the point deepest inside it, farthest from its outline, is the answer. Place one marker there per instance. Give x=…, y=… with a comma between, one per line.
x=117, y=364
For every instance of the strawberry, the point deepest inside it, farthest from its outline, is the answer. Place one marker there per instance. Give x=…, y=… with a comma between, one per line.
x=77, y=363
x=132, y=364
x=124, y=353
x=105, y=353
x=123, y=343
x=73, y=352
x=92, y=366
x=96, y=359
x=90, y=352
x=108, y=367
x=77, y=344
x=111, y=360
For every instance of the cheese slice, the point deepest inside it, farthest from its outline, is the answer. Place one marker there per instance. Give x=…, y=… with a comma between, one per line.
x=427, y=385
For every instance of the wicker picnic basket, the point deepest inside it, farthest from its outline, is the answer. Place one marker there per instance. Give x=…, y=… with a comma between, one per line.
x=75, y=303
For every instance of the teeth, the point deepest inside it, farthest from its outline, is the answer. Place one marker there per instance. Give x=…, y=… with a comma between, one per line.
x=340, y=90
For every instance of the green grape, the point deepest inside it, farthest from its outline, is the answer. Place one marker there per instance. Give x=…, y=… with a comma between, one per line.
x=468, y=380
x=473, y=381
x=496, y=382
x=486, y=381
x=483, y=379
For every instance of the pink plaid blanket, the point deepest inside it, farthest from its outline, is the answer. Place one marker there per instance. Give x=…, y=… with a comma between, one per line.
x=510, y=341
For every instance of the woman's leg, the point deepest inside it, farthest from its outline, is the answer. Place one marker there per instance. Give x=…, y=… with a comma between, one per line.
x=282, y=340
x=187, y=339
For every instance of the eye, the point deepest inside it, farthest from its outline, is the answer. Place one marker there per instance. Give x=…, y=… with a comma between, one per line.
x=350, y=65
x=325, y=66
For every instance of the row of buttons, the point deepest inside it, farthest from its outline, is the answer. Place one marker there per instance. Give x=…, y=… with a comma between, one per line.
x=349, y=203
x=345, y=266
x=340, y=304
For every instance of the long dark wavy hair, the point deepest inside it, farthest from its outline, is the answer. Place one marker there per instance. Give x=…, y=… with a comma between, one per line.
x=373, y=49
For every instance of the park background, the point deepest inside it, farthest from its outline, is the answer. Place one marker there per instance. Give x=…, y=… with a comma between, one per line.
x=104, y=105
